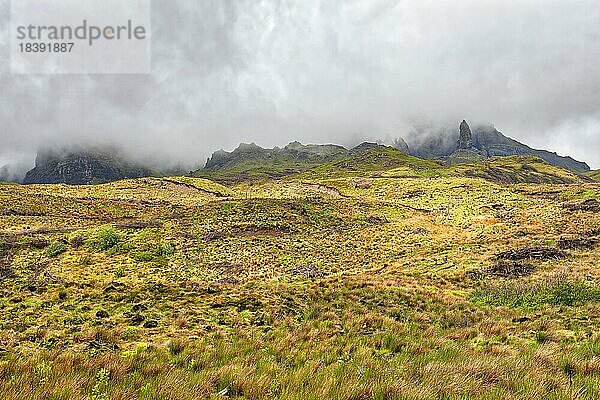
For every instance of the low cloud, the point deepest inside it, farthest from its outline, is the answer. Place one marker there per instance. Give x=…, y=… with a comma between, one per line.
x=226, y=71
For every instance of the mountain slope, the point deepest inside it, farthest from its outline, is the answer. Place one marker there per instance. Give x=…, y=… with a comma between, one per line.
x=293, y=156
x=485, y=142
x=377, y=160
x=82, y=168
x=518, y=169
x=594, y=174
x=249, y=161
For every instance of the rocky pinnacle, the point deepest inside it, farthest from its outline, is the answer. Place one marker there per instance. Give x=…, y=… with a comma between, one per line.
x=465, y=140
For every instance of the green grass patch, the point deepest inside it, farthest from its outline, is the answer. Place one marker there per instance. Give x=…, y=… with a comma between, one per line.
x=55, y=249
x=555, y=290
x=108, y=238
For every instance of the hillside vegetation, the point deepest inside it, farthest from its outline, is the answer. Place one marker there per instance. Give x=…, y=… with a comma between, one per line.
x=94, y=165
x=374, y=275
x=594, y=174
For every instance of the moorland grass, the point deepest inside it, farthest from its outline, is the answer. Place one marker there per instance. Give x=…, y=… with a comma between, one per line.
x=557, y=290
x=364, y=279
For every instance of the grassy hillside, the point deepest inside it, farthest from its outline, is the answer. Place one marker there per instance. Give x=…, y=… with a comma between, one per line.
x=594, y=174
x=518, y=169
x=251, y=162
x=379, y=276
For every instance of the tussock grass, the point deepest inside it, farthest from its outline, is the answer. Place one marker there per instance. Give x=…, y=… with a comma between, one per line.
x=557, y=290
x=238, y=370
x=348, y=281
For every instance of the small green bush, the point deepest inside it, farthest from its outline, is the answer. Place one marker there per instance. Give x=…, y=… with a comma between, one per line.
x=55, y=249
x=166, y=250
x=130, y=332
x=143, y=256
x=120, y=272
x=108, y=238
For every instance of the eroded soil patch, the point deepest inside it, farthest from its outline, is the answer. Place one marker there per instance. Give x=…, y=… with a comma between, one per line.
x=577, y=243
x=591, y=205
x=324, y=189
x=510, y=269
x=504, y=269
x=531, y=253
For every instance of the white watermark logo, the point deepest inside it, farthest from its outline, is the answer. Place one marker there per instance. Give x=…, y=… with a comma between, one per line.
x=80, y=36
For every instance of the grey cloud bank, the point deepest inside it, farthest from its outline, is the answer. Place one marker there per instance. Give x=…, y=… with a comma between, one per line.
x=274, y=71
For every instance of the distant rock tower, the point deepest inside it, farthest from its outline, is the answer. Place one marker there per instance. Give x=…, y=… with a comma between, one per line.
x=400, y=144
x=465, y=140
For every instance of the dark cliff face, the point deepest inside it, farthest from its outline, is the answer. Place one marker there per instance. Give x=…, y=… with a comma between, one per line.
x=81, y=168
x=494, y=143
x=481, y=142
x=465, y=138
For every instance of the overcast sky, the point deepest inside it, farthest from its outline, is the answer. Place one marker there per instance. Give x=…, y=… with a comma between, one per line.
x=273, y=71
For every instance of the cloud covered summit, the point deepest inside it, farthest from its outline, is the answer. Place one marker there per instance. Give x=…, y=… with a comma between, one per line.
x=273, y=71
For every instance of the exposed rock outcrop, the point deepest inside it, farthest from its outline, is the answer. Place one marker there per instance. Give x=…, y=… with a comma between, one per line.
x=481, y=142
x=465, y=139
x=81, y=168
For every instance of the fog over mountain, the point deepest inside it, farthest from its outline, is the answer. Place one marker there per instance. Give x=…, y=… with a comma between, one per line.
x=318, y=71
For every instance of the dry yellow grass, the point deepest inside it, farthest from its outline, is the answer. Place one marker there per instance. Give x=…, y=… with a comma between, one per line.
x=377, y=280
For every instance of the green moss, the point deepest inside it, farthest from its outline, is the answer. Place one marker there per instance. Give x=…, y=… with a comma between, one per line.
x=55, y=249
